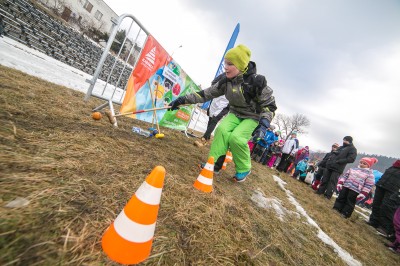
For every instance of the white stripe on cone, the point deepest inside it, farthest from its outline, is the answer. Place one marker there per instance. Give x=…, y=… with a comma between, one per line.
x=149, y=194
x=132, y=231
x=205, y=180
x=209, y=167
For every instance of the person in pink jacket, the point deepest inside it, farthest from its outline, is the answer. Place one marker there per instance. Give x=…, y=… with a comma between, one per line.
x=354, y=186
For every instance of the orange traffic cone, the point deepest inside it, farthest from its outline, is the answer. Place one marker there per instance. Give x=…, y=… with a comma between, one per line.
x=129, y=239
x=205, y=179
x=228, y=159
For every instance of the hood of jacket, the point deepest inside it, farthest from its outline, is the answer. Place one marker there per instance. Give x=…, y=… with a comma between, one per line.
x=252, y=69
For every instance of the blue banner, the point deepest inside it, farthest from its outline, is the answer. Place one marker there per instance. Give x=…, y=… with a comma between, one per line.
x=220, y=69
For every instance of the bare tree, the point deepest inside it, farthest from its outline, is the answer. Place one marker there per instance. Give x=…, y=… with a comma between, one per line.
x=288, y=124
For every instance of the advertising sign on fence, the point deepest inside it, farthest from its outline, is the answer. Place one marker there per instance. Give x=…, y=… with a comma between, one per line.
x=156, y=81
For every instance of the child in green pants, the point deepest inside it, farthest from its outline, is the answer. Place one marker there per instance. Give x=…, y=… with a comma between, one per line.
x=250, y=103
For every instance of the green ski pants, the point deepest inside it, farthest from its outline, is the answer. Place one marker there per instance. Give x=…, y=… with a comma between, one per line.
x=234, y=133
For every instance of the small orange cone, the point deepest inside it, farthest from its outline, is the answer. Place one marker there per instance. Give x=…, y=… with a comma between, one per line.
x=205, y=179
x=292, y=171
x=129, y=238
x=228, y=159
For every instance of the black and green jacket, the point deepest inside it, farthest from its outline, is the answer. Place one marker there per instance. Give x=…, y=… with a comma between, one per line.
x=248, y=95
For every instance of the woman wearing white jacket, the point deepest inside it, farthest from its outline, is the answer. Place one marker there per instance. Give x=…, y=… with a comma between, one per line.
x=289, y=149
x=219, y=107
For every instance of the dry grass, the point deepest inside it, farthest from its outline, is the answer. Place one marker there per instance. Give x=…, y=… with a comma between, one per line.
x=79, y=173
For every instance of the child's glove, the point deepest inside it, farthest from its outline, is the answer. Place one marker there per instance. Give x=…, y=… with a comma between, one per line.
x=174, y=104
x=361, y=196
x=339, y=187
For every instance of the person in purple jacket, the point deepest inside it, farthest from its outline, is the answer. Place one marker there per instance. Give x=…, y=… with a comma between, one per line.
x=354, y=185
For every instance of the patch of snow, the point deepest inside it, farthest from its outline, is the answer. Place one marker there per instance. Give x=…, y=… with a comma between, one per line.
x=17, y=203
x=343, y=254
x=270, y=203
x=362, y=214
x=30, y=61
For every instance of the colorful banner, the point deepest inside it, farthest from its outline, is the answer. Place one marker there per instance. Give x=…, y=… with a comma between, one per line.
x=158, y=74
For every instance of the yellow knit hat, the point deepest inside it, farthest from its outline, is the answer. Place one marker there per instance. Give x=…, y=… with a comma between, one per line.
x=239, y=56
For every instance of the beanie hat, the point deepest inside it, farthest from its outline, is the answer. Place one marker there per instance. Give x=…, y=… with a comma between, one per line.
x=349, y=139
x=272, y=127
x=239, y=56
x=369, y=160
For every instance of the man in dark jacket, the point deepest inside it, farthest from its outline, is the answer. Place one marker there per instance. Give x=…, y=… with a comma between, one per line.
x=382, y=208
x=321, y=167
x=335, y=166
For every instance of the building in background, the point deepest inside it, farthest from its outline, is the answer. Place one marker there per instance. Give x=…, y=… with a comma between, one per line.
x=88, y=14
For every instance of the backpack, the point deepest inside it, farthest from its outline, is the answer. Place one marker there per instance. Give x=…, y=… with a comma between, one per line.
x=253, y=86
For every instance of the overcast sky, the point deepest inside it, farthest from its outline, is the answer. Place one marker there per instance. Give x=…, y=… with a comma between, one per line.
x=337, y=61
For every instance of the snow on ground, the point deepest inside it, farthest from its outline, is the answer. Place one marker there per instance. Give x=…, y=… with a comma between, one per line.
x=271, y=203
x=30, y=61
x=343, y=254
x=365, y=213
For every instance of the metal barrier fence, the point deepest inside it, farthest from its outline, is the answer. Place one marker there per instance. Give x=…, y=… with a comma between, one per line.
x=113, y=93
x=30, y=25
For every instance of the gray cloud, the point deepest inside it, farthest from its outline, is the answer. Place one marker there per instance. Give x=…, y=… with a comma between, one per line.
x=303, y=39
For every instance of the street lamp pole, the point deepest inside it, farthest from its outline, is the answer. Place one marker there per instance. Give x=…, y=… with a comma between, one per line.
x=180, y=46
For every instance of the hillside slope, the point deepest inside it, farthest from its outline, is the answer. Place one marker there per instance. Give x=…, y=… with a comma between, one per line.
x=78, y=174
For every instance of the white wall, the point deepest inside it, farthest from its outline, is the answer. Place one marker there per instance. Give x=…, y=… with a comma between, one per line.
x=77, y=8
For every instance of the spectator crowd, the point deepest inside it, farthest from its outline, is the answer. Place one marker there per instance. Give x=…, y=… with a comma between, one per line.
x=359, y=185
x=245, y=114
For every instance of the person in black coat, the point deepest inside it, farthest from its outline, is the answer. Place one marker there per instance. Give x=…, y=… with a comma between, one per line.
x=321, y=167
x=382, y=208
x=335, y=166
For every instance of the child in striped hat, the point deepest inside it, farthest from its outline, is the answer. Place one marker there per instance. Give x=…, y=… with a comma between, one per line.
x=354, y=186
